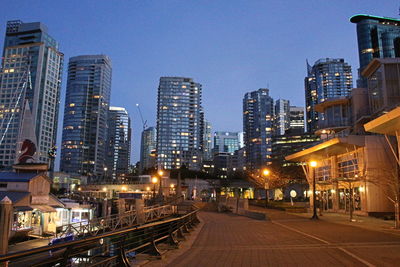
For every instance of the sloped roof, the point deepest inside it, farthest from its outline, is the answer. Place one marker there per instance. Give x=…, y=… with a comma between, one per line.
x=14, y=196
x=17, y=177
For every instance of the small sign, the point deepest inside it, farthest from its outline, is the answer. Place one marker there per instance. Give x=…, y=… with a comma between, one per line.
x=40, y=199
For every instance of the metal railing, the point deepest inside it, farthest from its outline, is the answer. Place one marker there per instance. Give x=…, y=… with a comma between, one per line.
x=116, y=248
x=113, y=222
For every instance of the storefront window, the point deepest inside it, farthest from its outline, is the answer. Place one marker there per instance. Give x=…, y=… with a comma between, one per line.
x=22, y=220
x=357, y=198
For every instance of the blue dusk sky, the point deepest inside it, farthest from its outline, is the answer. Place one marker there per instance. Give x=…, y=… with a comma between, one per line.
x=229, y=46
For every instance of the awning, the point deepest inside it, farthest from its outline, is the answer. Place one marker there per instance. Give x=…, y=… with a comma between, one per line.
x=44, y=208
x=23, y=208
x=388, y=123
x=335, y=146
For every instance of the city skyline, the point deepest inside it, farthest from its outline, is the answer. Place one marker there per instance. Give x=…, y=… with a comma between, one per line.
x=258, y=68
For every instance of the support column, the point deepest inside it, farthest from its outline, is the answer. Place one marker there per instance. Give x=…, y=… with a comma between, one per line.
x=139, y=207
x=6, y=211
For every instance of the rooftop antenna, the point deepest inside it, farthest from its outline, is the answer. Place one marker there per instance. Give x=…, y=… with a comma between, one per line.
x=144, y=122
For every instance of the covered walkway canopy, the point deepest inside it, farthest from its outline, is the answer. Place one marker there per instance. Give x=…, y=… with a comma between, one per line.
x=335, y=146
x=388, y=123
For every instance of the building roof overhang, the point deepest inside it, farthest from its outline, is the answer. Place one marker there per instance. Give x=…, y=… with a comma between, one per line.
x=335, y=146
x=334, y=102
x=360, y=17
x=387, y=123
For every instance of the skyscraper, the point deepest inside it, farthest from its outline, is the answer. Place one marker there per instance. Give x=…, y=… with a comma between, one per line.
x=329, y=78
x=282, y=120
x=207, y=141
x=85, y=116
x=118, y=143
x=179, y=123
x=226, y=142
x=31, y=75
x=296, y=118
x=378, y=37
x=148, y=148
x=258, y=110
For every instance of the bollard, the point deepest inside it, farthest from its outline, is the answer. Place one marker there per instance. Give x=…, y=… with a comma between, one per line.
x=5, y=225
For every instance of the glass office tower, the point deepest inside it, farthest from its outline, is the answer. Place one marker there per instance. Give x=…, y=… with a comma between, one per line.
x=31, y=74
x=226, y=142
x=207, y=141
x=148, y=149
x=296, y=118
x=179, y=123
x=85, y=116
x=282, y=122
x=329, y=78
x=378, y=37
x=258, y=111
x=118, y=143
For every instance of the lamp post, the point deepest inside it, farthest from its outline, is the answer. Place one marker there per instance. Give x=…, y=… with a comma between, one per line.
x=160, y=174
x=105, y=172
x=313, y=164
x=154, y=181
x=266, y=173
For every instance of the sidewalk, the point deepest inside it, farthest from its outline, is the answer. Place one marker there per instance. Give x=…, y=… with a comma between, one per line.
x=366, y=222
x=30, y=244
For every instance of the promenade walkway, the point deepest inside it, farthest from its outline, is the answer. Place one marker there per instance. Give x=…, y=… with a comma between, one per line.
x=286, y=240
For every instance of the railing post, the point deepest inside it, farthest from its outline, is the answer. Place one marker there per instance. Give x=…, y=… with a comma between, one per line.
x=171, y=239
x=153, y=247
x=179, y=232
x=122, y=255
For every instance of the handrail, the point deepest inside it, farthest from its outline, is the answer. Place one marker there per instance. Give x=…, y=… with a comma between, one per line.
x=17, y=255
x=127, y=219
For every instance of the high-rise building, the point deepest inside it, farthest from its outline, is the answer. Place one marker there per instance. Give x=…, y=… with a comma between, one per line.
x=378, y=37
x=329, y=78
x=30, y=75
x=296, y=118
x=179, y=123
x=241, y=139
x=118, y=143
x=226, y=142
x=148, y=149
x=282, y=121
x=258, y=110
x=207, y=141
x=87, y=102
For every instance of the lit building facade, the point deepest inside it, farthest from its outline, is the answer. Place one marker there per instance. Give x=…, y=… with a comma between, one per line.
x=287, y=144
x=282, y=119
x=328, y=78
x=30, y=56
x=148, y=149
x=84, y=138
x=296, y=118
x=258, y=110
x=226, y=142
x=207, y=141
x=179, y=123
x=118, y=143
x=378, y=37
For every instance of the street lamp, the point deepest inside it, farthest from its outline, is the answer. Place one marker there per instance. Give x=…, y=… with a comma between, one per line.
x=105, y=172
x=154, y=181
x=313, y=165
x=266, y=173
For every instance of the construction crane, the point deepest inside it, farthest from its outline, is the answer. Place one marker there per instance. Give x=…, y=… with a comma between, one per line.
x=144, y=122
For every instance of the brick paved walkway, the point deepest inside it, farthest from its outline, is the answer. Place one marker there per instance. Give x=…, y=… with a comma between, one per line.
x=287, y=240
